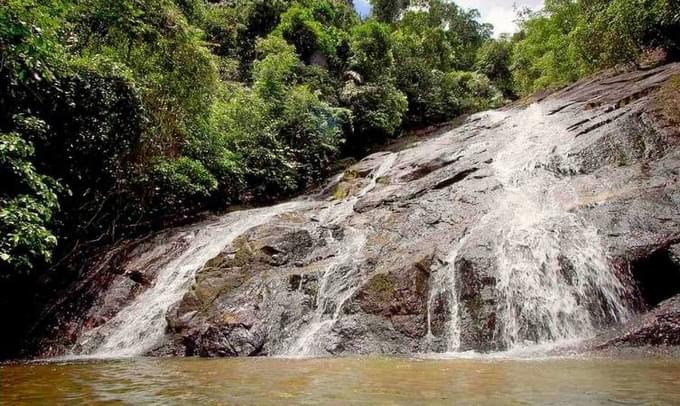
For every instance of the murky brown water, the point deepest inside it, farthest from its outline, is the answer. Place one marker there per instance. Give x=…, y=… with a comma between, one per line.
x=344, y=381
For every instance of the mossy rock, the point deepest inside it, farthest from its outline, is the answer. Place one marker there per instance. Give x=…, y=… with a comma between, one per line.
x=350, y=175
x=383, y=180
x=381, y=287
x=668, y=100
x=376, y=296
x=342, y=191
x=244, y=253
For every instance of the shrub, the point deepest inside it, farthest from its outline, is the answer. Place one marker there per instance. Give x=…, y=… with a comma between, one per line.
x=312, y=130
x=28, y=201
x=474, y=90
x=494, y=59
x=274, y=74
x=377, y=112
x=371, y=46
x=180, y=183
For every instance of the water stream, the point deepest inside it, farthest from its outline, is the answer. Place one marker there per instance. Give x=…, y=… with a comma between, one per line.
x=554, y=277
x=344, y=276
x=554, y=281
x=138, y=327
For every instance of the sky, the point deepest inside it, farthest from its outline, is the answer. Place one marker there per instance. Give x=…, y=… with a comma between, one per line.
x=362, y=7
x=500, y=13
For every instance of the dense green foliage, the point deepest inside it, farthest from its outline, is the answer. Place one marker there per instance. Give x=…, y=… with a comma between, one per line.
x=494, y=59
x=432, y=48
x=27, y=203
x=570, y=39
x=117, y=116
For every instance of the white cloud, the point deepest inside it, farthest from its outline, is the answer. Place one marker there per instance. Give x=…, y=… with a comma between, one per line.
x=499, y=13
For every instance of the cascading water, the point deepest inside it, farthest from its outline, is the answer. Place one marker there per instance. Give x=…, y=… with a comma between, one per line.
x=340, y=280
x=137, y=328
x=338, y=283
x=554, y=282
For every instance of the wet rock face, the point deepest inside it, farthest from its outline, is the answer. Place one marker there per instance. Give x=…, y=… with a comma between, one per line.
x=478, y=303
x=244, y=293
x=659, y=327
x=528, y=225
x=399, y=295
x=114, y=281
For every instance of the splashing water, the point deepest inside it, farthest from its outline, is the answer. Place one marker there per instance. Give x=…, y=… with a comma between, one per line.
x=337, y=285
x=554, y=278
x=343, y=277
x=139, y=327
x=554, y=282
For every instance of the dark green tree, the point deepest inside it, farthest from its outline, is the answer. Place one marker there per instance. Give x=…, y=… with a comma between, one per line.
x=494, y=59
x=388, y=11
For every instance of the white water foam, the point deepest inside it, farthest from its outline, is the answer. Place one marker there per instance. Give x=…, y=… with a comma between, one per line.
x=554, y=282
x=343, y=277
x=140, y=326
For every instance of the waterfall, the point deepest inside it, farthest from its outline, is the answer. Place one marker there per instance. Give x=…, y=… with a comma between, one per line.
x=551, y=278
x=337, y=285
x=554, y=282
x=554, y=278
x=343, y=277
x=139, y=327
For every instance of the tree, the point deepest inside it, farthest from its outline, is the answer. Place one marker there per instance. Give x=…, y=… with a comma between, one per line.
x=388, y=11
x=371, y=46
x=571, y=39
x=28, y=201
x=617, y=31
x=429, y=50
x=546, y=58
x=377, y=109
x=494, y=60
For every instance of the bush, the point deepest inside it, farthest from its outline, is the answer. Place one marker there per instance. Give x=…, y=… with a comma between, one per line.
x=443, y=96
x=474, y=91
x=312, y=130
x=371, y=46
x=274, y=73
x=377, y=112
x=180, y=183
x=28, y=201
x=266, y=165
x=494, y=59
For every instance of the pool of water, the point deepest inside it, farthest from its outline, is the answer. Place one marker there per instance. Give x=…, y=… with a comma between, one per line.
x=344, y=381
